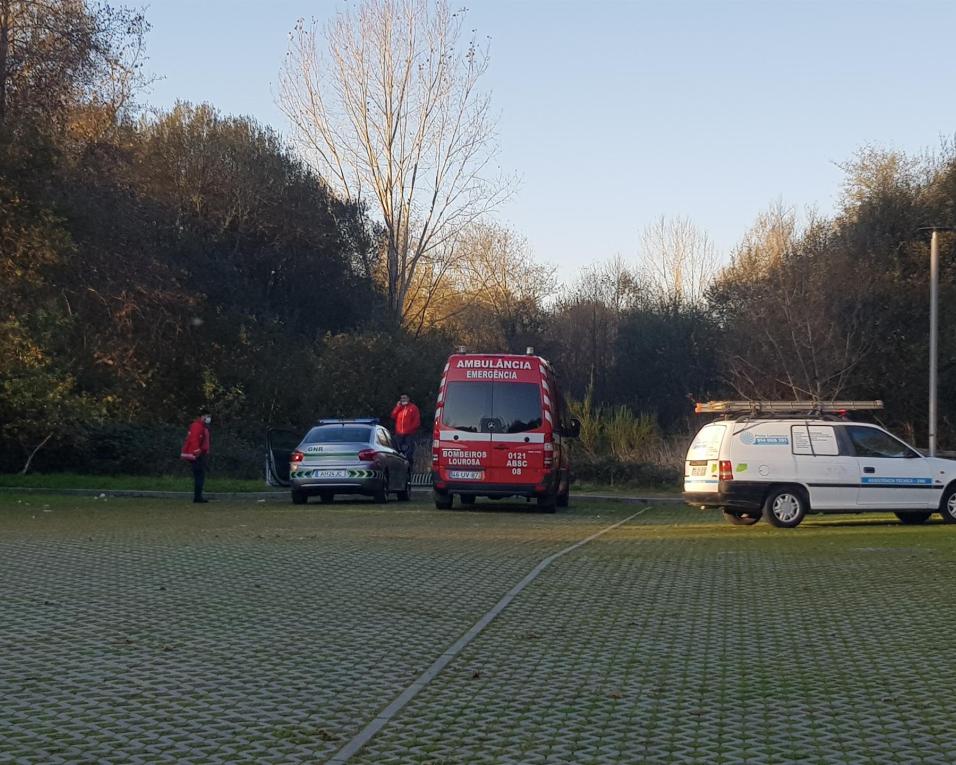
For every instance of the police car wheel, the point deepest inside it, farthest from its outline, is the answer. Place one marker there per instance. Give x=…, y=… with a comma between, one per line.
x=381, y=495
x=299, y=497
x=785, y=508
x=911, y=519
x=741, y=518
x=947, y=505
x=405, y=494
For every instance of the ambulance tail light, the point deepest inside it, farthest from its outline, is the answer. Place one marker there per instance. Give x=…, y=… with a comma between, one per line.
x=296, y=456
x=725, y=470
x=367, y=455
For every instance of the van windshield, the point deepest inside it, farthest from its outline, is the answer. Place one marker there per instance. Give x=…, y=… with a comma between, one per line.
x=492, y=407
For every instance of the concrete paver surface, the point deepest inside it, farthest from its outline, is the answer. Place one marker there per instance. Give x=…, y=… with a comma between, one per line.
x=148, y=631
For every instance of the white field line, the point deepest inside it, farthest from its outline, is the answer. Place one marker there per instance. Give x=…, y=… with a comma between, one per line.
x=365, y=735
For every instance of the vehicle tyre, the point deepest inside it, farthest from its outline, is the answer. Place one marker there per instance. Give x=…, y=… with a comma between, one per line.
x=912, y=519
x=467, y=499
x=564, y=499
x=443, y=500
x=299, y=497
x=785, y=508
x=548, y=503
x=405, y=494
x=947, y=505
x=741, y=517
x=326, y=497
x=381, y=495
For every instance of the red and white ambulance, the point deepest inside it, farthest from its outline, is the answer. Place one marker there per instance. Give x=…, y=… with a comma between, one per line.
x=500, y=431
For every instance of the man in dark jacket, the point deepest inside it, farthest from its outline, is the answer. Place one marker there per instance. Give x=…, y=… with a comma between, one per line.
x=196, y=451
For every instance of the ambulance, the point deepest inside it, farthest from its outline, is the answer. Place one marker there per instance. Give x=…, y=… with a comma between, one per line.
x=780, y=460
x=501, y=430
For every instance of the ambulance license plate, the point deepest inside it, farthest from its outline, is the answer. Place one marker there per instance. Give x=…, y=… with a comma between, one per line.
x=464, y=475
x=331, y=473
x=698, y=470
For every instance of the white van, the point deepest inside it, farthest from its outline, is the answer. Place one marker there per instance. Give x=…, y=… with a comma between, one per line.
x=764, y=459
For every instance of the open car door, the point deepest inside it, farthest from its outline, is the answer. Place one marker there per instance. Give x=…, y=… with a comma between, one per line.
x=280, y=443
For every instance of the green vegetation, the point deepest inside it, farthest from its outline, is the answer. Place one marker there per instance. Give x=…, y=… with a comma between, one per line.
x=152, y=265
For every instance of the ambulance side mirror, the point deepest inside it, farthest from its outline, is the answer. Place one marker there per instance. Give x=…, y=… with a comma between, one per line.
x=574, y=428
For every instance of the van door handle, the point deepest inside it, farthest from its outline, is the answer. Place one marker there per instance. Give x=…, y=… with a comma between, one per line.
x=869, y=470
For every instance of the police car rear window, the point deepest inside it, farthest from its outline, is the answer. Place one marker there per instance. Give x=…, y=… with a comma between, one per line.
x=338, y=434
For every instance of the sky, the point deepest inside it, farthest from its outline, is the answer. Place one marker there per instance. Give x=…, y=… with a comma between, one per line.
x=613, y=114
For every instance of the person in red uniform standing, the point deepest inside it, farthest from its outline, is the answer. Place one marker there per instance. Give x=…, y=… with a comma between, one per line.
x=196, y=451
x=407, y=422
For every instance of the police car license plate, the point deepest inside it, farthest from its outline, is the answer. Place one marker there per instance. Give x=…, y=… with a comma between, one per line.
x=465, y=475
x=331, y=473
x=698, y=470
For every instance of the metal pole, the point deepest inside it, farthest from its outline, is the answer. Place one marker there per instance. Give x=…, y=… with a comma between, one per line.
x=933, y=311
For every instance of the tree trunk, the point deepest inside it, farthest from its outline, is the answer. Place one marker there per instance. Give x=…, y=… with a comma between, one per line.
x=26, y=468
x=5, y=19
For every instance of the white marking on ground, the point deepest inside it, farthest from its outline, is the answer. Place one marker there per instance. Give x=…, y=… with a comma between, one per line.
x=381, y=720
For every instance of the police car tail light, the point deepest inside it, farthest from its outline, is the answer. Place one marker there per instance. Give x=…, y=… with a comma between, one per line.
x=297, y=457
x=725, y=470
x=367, y=455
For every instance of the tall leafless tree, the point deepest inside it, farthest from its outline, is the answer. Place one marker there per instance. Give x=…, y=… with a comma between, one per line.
x=386, y=102
x=678, y=261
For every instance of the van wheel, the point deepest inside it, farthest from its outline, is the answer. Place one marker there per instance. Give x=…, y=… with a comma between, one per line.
x=741, y=518
x=467, y=499
x=785, y=508
x=443, y=500
x=564, y=498
x=947, y=505
x=299, y=497
x=911, y=519
x=548, y=503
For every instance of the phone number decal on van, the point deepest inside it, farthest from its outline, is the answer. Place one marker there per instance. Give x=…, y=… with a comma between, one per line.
x=751, y=440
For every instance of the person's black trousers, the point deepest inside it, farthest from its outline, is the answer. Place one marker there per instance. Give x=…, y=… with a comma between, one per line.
x=406, y=445
x=199, y=477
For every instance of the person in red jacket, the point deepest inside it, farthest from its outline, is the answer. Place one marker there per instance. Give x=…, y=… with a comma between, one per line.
x=196, y=451
x=407, y=422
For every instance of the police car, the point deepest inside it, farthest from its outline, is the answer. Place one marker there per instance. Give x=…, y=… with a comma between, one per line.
x=782, y=460
x=354, y=456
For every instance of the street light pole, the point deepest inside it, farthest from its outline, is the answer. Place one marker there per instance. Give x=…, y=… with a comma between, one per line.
x=933, y=332
x=933, y=327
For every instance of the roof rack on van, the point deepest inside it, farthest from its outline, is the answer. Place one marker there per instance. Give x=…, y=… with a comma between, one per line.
x=785, y=407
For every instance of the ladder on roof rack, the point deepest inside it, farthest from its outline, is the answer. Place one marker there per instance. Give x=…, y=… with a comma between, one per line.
x=785, y=407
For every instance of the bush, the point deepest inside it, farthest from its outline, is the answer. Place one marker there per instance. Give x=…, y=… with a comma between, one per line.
x=614, y=472
x=138, y=449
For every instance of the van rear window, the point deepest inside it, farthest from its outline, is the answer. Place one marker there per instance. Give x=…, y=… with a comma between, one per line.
x=706, y=445
x=492, y=407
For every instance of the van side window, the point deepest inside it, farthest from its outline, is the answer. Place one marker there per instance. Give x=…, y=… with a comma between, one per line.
x=815, y=440
x=871, y=442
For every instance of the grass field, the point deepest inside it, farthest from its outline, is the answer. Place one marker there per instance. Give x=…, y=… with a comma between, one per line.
x=245, y=631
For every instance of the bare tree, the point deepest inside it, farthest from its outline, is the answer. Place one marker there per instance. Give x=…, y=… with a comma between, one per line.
x=679, y=261
x=492, y=293
x=795, y=310
x=58, y=54
x=385, y=100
